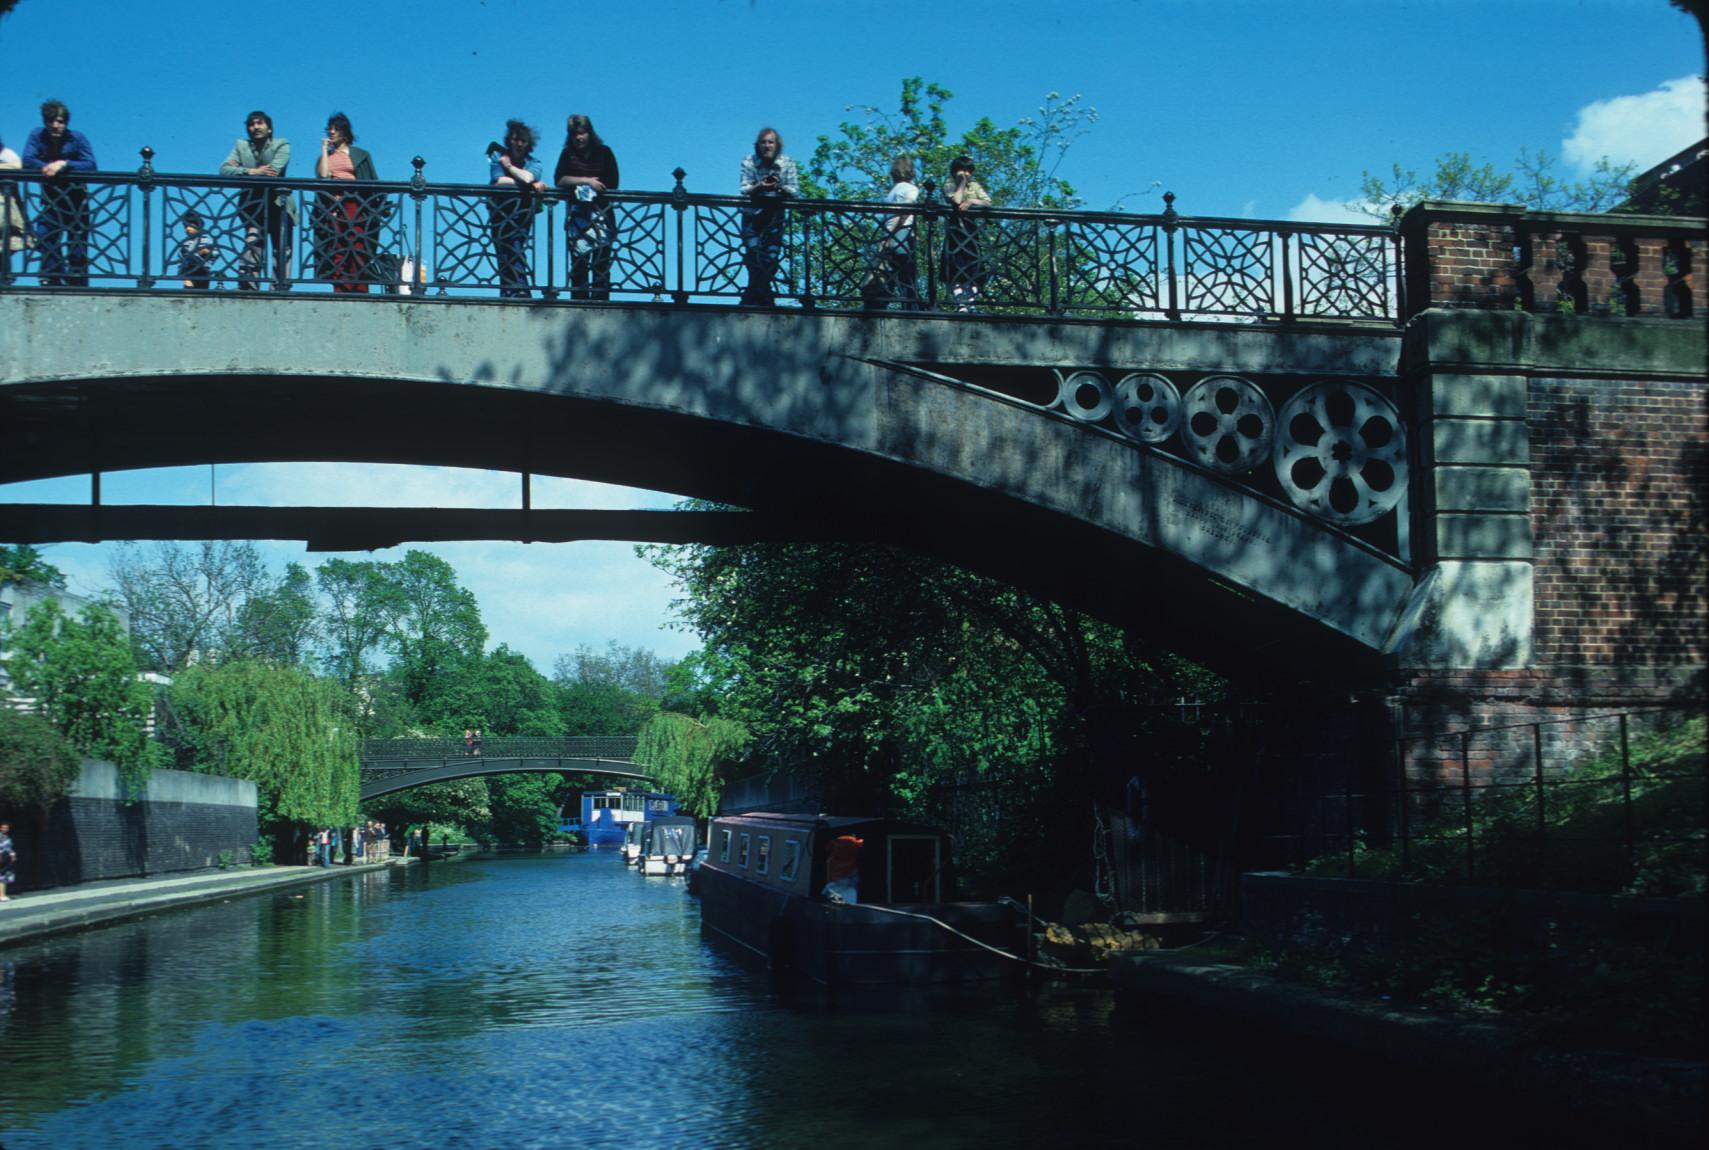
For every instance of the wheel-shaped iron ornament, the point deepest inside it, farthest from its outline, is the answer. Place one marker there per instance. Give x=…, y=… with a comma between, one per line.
x=1341, y=452
x=1085, y=395
x=1227, y=423
x=1148, y=408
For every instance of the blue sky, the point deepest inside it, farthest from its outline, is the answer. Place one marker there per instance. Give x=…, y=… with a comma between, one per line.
x=1269, y=110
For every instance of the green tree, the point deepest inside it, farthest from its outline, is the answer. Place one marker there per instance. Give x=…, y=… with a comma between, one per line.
x=83, y=677
x=279, y=726
x=500, y=693
x=37, y=765
x=613, y=692
x=1533, y=181
x=25, y=564
x=524, y=808
x=278, y=623
x=431, y=621
x=1018, y=165
x=353, y=620
x=690, y=758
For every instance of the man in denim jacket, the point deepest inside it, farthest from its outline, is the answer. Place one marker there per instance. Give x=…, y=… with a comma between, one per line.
x=62, y=226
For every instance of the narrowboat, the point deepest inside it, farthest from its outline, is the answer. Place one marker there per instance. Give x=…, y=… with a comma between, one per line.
x=667, y=844
x=606, y=814
x=846, y=902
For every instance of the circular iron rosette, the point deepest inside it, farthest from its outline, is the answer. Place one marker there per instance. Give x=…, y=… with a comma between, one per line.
x=1085, y=395
x=1341, y=452
x=1148, y=408
x=1227, y=423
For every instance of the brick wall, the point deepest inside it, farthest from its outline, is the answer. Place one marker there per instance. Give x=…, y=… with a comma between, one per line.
x=1618, y=476
x=1498, y=257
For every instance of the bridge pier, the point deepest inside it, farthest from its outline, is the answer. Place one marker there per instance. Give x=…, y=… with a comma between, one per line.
x=1558, y=526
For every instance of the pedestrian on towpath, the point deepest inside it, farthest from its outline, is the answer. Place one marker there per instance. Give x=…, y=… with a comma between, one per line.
x=8, y=860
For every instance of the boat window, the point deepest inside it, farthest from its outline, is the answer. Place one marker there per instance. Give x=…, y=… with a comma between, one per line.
x=742, y=852
x=914, y=868
x=724, y=846
x=791, y=860
x=763, y=862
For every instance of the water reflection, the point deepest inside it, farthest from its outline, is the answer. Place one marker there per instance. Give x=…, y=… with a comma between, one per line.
x=555, y=1000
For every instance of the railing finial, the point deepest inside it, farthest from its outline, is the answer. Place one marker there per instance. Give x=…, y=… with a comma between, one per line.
x=418, y=182
x=1169, y=213
x=147, y=169
x=679, y=193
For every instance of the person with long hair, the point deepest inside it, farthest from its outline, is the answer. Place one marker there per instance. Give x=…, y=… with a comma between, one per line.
x=586, y=171
x=342, y=244
x=768, y=178
x=515, y=176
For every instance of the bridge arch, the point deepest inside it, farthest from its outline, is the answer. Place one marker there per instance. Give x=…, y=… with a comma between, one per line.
x=856, y=427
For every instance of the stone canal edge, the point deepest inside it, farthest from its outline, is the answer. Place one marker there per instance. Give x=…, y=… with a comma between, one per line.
x=1663, y=1094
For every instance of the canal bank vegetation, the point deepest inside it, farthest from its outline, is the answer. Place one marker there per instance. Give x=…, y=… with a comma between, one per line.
x=1584, y=924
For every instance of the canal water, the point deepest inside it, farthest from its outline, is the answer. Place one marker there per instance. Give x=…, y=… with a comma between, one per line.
x=562, y=1000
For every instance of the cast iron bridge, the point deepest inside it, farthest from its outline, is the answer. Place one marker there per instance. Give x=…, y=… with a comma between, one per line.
x=390, y=765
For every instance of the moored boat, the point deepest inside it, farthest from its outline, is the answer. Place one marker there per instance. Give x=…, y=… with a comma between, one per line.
x=607, y=815
x=667, y=843
x=849, y=902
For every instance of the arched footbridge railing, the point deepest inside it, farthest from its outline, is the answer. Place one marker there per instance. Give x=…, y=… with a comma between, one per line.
x=390, y=765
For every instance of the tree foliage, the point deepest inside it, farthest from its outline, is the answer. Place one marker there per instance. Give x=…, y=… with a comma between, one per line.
x=1018, y=165
x=37, y=765
x=280, y=727
x=689, y=757
x=81, y=673
x=26, y=564
x=1534, y=181
x=185, y=602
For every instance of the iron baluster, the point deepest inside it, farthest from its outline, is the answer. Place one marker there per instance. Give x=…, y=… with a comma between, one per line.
x=927, y=188
x=550, y=289
x=1050, y=229
x=1399, y=278
x=418, y=193
x=1283, y=237
x=146, y=180
x=1466, y=791
x=1542, y=825
x=1170, y=223
x=806, y=240
x=1405, y=816
x=679, y=204
x=1626, y=800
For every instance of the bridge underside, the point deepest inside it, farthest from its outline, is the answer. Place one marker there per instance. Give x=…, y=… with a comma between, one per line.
x=393, y=776
x=802, y=419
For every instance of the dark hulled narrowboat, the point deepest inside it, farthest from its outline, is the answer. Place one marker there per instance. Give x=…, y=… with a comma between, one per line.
x=850, y=902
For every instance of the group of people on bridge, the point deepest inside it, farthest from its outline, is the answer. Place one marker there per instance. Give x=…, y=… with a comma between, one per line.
x=346, y=225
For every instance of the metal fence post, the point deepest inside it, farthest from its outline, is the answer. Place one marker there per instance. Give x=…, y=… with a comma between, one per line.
x=1466, y=791
x=1282, y=238
x=549, y=290
x=807, y=298
x=1173, y=311
x=1405, y=815
x=146, y=172
x=1399, y=268
x=927, y=188
x=1050, y=254
x=679, y=204
x=1626, y=799
x=418, y=193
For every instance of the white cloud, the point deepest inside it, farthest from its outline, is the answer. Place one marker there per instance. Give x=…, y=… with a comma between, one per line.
x=1314, y=210
x=1642, y=130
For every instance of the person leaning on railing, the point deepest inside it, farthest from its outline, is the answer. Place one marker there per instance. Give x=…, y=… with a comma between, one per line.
x=963, y=265
x=895, y=272
x=62, y=225
x=269, y=215
x=14, y=223
x=586, y=170
x=516, y=173
x=343, y=246
x=768, y=178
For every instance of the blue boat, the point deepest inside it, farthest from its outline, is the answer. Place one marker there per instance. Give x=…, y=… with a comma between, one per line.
x=606, y=815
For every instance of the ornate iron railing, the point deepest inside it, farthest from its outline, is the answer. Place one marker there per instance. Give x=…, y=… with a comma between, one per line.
x=133, y=231
x=617, y=747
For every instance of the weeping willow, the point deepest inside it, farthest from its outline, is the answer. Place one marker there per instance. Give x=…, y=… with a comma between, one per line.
x=281, y=728
x=687, y=756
